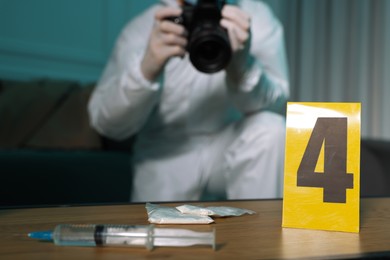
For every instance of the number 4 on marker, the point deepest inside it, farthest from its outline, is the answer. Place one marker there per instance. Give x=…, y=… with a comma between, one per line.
x=332, y=133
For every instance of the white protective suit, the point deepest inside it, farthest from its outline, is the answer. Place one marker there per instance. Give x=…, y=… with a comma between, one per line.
x=194, y=133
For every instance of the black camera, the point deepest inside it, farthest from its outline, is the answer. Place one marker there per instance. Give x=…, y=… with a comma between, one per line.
x=208, y=43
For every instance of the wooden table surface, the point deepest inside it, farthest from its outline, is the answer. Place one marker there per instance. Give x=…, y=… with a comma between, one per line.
x=258, y=236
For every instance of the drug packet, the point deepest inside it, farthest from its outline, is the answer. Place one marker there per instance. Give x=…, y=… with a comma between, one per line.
x=217, y=211
x=190, y=214
x=158, y=214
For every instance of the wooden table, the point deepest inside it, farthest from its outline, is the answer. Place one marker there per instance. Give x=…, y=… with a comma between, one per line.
x=258, y=236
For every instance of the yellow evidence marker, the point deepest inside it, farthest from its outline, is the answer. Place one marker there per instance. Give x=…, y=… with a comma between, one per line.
x=322, y=166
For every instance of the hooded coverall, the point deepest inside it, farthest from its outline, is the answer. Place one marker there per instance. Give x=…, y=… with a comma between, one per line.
x=196, y=134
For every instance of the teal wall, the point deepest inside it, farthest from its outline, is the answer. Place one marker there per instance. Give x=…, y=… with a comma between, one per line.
x=62, y=39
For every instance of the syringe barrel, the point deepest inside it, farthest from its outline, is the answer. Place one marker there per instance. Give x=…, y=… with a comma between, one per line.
x=103, y=235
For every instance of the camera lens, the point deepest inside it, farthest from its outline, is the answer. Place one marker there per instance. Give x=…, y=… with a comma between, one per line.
x=209, y=50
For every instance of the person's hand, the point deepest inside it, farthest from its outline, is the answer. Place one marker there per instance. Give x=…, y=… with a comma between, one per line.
x=237, y=23
x=166, y=40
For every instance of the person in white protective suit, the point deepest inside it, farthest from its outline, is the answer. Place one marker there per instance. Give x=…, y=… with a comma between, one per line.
x=197, y=133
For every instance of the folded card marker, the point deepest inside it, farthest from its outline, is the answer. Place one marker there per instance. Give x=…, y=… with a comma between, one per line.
x=322, y=166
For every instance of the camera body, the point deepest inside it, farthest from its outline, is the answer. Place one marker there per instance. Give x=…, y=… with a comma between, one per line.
x=208, y=43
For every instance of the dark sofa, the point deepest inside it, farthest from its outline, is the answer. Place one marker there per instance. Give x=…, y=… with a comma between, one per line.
x=375, y=168
x=49, y=155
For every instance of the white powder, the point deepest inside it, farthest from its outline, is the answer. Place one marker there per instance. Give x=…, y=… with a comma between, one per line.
x=218, y=211
x=189, y=214
x=168, y=215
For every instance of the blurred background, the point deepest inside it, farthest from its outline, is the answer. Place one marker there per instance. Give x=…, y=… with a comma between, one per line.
x=52, y=53
x=337, y=50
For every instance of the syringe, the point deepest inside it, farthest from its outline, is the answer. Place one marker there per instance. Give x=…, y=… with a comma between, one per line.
x=124, y=235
